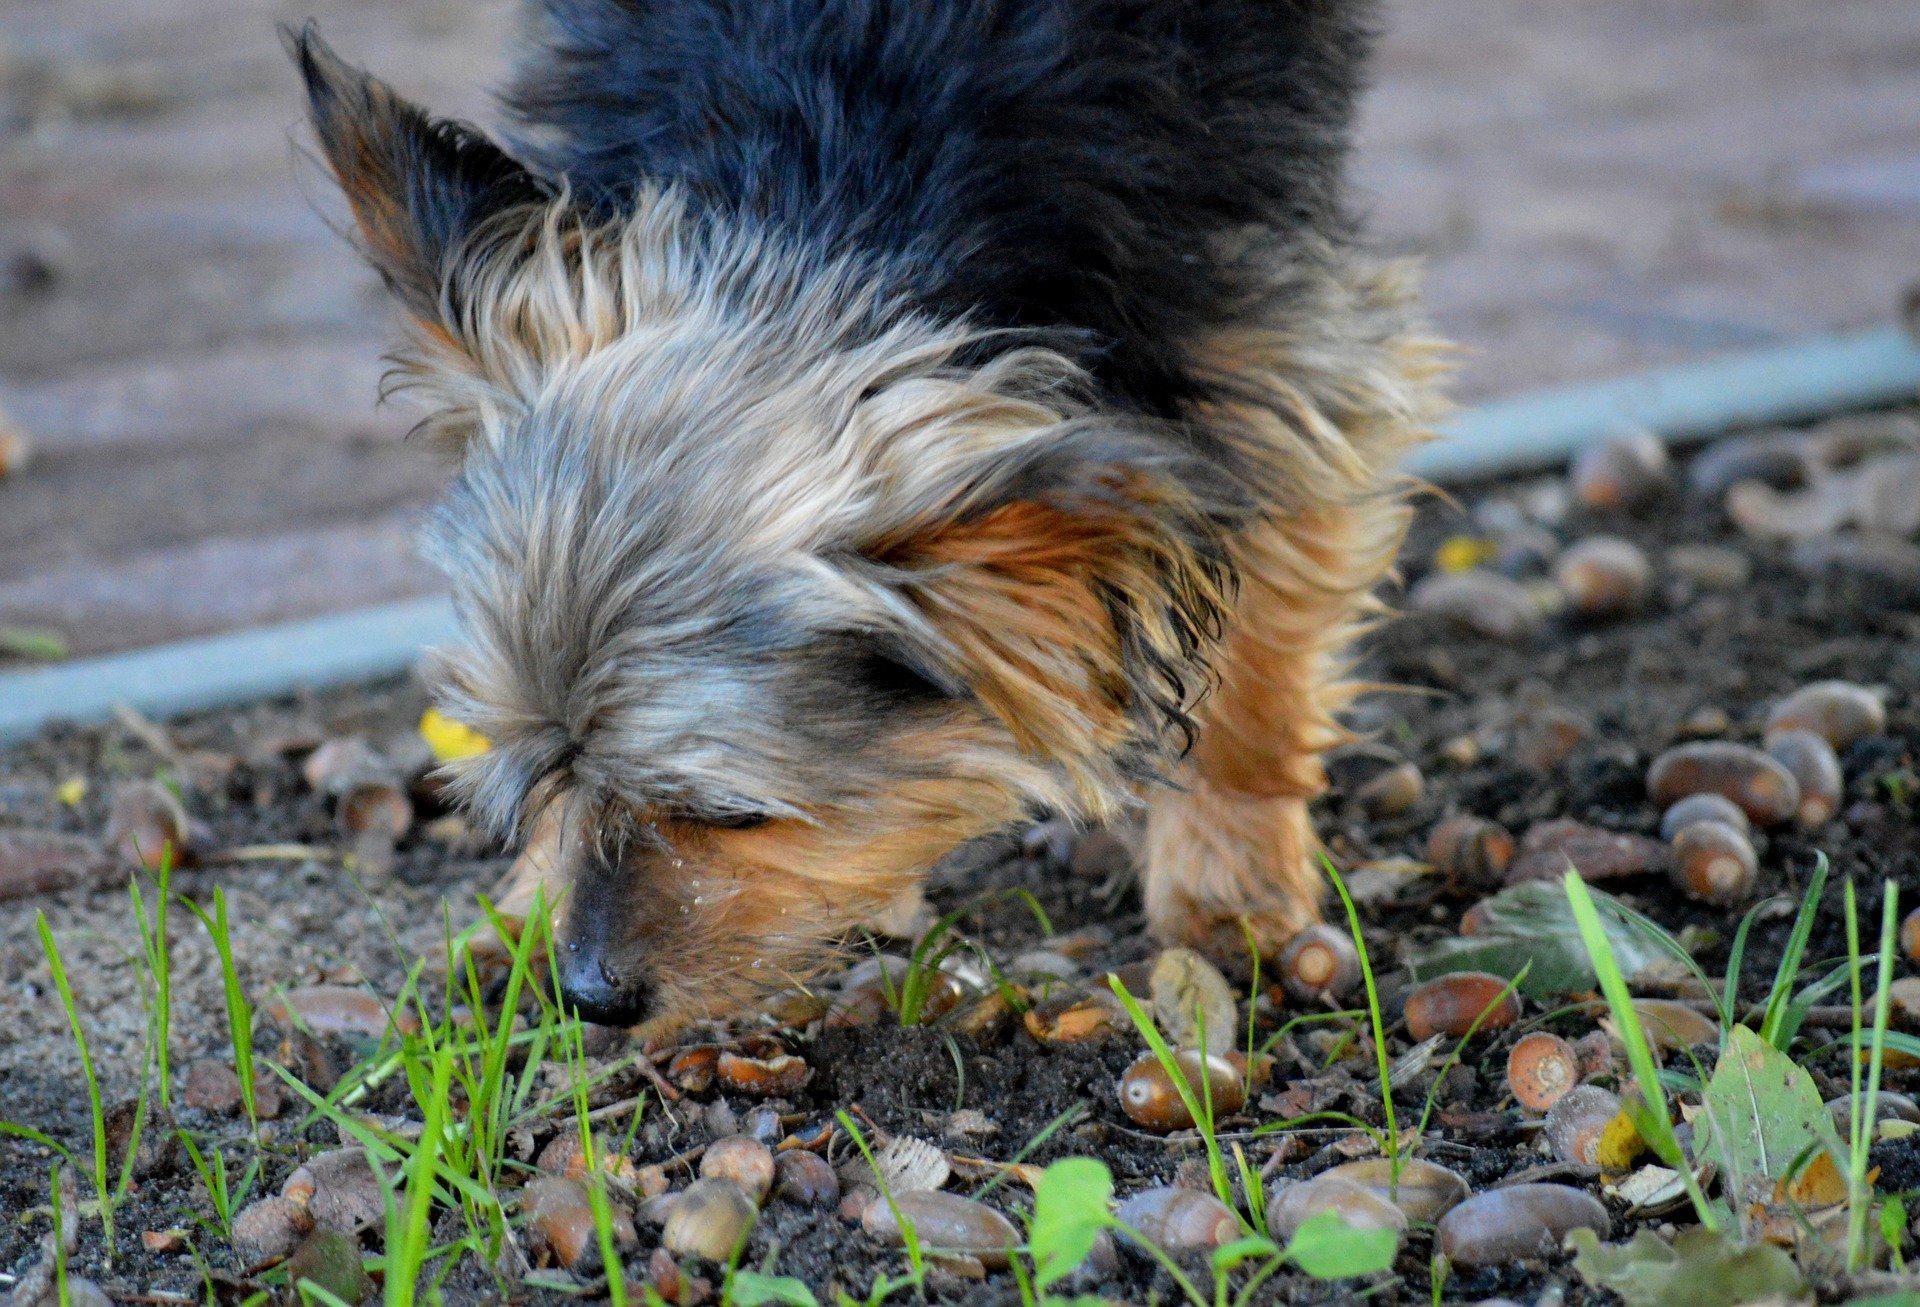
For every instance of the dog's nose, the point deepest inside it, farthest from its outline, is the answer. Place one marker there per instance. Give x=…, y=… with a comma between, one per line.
x=598, y=995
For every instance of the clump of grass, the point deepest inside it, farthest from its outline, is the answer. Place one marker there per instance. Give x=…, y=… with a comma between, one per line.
x=1864, y=1102
x=1391, y=1145
x=101, y=1185
x=239, y=1010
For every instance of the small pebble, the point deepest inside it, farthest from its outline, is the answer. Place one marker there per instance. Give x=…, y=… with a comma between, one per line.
x=1521, y=1221
x=1483, y=603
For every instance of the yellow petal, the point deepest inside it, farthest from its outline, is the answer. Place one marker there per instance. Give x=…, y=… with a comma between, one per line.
x=449, y=740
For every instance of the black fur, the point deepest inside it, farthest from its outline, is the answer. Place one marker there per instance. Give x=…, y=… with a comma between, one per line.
x=1053, y=164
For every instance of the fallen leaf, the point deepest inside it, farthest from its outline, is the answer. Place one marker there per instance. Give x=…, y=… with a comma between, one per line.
x=1700, y=1268
x=1761, y=1113
x=1532, y=923
x=1192, y=1001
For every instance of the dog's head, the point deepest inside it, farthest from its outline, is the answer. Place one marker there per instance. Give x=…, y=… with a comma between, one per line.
x=775, y=591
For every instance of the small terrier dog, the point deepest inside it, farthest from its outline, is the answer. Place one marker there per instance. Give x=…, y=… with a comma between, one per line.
x=878, y=422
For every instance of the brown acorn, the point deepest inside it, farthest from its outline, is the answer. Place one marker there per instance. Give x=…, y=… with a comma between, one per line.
x=1817, y=769
x=1452, y=1003
x=1713, y=862
x=1319, y=960
x=1624, y=471
x=1149, y=1098
x=1541, y=1069
x=1838, y=711
x=1764, y=790
x=1471, y=852
x=1604, y=576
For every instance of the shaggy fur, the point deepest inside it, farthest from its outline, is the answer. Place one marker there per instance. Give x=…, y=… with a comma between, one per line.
x=878, y=422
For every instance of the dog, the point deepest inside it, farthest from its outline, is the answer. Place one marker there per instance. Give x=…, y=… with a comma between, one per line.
x=878, y=422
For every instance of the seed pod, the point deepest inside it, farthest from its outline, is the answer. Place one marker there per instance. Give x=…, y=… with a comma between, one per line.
x=1910, y=935
x=1817, y=770
x=1483, y=603
x=1703, y=807
x=1425, y=1190
x=1624, y=471
x=1319, y=960
x=1520, y=1221
x=947, y=1222
x=146, y=826
x=559, y=1214
x=709, y=1218
x=1450, y=1004
x=1714, y=863
x=1762, y=788
x=1179, y=1220
x=1149, y=1098
x=1603, y=576
x=1292, y=1205
x=762, y=1077
x=1577, y=1121
x=747, y=1162
x=805, y=1179
x=1673, y=1027
x=1541, y=1069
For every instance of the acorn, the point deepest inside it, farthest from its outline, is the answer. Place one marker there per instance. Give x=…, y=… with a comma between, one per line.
x=1424, y=1190
x=1319, y=960
x=1703, y=807
x=1604, y=576
x=1624, y=471
x=1471, y=852
x=1764, y=790
x=1577, y=1122
x=1518, y=1222
x=1713, y=862
x=1910, y=935
x=1392, y=792
x=709, y=1218
x=1541, y=1069
x=1672, y=1026
x=1779, y=461
x=1840, y=712
x=805, y=1179
x=947, y=1222
x=1150, y=1099
x=1451, y=1004
x=1073, y=1018
x=1817, y=770
x=745, y=1161
x=1292, y=1205
x=147, y=827
x=561, y=1217
x=1483, y=603
x=1179, y=1220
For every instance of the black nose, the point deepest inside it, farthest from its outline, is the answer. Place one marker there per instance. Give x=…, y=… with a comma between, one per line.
x=599, y=997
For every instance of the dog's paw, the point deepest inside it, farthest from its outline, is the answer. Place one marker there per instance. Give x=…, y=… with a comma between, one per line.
x=1230, y=939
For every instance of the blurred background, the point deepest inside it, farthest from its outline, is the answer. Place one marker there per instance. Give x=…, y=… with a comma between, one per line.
x=1595, y=186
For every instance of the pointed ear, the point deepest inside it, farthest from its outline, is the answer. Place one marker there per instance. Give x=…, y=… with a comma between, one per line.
x=419, y=186
x=1076, y=587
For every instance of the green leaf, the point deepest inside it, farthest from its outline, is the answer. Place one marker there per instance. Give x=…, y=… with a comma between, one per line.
x=1230, y=1255
x=1700, y=1268
x=1762, y=1114
x=1069, y=1211
x=32, y=642
x=1532, y=923
x=1327, y=1248
x=752, y=1289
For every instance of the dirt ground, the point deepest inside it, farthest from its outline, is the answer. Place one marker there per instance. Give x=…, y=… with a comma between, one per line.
x=1594, y=188
x=1703, y=656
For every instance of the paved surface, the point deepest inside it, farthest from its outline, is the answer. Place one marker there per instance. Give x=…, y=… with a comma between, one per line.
x=1595, y=187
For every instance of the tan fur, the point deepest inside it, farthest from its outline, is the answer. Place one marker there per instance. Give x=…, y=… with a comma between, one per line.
x=1230, y=842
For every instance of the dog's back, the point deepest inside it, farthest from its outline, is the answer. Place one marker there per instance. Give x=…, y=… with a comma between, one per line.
x=1032, y=163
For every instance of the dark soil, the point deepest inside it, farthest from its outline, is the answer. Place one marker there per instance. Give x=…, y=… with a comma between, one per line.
x=1635, y=681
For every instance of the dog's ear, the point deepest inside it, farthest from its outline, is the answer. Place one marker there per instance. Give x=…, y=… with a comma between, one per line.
x=419, y=187
x=1075, y=586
